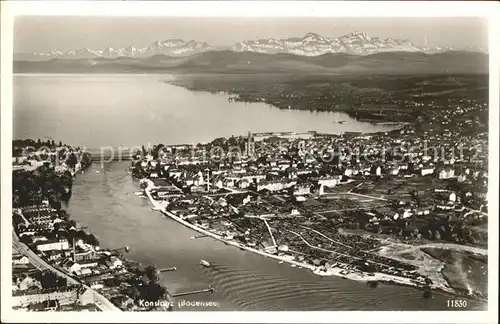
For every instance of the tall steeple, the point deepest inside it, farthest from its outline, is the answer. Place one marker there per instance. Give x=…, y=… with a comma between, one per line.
x=250, y=146
x=208, y=179
x=74, y=250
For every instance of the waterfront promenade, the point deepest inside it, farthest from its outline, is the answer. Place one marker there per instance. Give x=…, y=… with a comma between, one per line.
x=335, y=271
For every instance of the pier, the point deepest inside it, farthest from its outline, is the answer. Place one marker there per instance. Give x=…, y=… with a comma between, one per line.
x=209, y=289
x=198, y=236
x=121, y=250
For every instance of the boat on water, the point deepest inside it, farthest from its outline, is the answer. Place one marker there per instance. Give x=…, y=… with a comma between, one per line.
x=293, y=265
x=205, y=263
x=342, y=122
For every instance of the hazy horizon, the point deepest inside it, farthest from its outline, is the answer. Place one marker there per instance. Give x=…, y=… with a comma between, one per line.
x=43, y=33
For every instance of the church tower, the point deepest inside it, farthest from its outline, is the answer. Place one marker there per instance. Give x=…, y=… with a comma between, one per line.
x=250, y=144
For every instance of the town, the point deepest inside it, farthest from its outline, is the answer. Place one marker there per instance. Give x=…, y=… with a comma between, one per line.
x=372, y=207
x=57, y=264
x=379, y=98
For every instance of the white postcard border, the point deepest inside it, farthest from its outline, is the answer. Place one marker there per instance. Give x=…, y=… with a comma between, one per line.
x=249, y=9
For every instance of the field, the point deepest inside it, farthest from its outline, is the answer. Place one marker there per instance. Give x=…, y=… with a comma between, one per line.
x=463, y=270
x=427, y=265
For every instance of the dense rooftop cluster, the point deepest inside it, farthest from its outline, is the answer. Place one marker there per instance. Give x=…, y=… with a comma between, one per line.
x=73, y=265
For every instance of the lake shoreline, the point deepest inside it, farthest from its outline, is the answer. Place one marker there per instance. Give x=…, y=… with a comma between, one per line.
x=365, y=117
x=337, y=272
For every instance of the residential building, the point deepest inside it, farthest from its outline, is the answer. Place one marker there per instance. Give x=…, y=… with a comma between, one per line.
x=426, y=170
x=114, y=263
x=302, y=189
x=29, y=282
x=20, y=260
x=53, y=245
x=446, y=173
x=70, y=266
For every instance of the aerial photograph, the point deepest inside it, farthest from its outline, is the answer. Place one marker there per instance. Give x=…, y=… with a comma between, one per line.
x=249, y=164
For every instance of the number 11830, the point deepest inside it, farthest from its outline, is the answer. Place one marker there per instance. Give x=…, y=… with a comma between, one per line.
x=456, y=303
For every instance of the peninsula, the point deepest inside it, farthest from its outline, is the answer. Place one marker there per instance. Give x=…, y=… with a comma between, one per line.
x=407, y=206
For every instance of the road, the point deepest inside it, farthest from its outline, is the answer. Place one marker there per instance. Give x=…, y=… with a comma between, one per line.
x=321, y=249
x=323, y=235
x=270, y=232
x=357, y=186
x=101, y=301
x=371, y=197
x=343, y=210
x=448, y=246
x=474, y=211
x=267, y=225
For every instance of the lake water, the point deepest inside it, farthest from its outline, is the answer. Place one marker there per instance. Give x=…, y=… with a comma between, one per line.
x=128, y=110
x=125, y=110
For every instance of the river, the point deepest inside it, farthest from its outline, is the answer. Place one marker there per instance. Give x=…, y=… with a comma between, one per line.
x=124, y=110
x=103, y=199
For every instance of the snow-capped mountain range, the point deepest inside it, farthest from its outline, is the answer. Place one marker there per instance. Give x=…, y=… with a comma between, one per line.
x=356, y=43
x=313, y=45
x=170, y=47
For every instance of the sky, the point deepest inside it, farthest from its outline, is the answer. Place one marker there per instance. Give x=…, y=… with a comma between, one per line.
x=43, y=33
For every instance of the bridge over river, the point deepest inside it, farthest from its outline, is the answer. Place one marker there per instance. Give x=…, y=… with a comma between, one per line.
x=108, y=154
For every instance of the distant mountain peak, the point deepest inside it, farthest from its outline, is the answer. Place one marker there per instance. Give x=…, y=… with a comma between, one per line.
x=312, y=35
x=358, y=33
